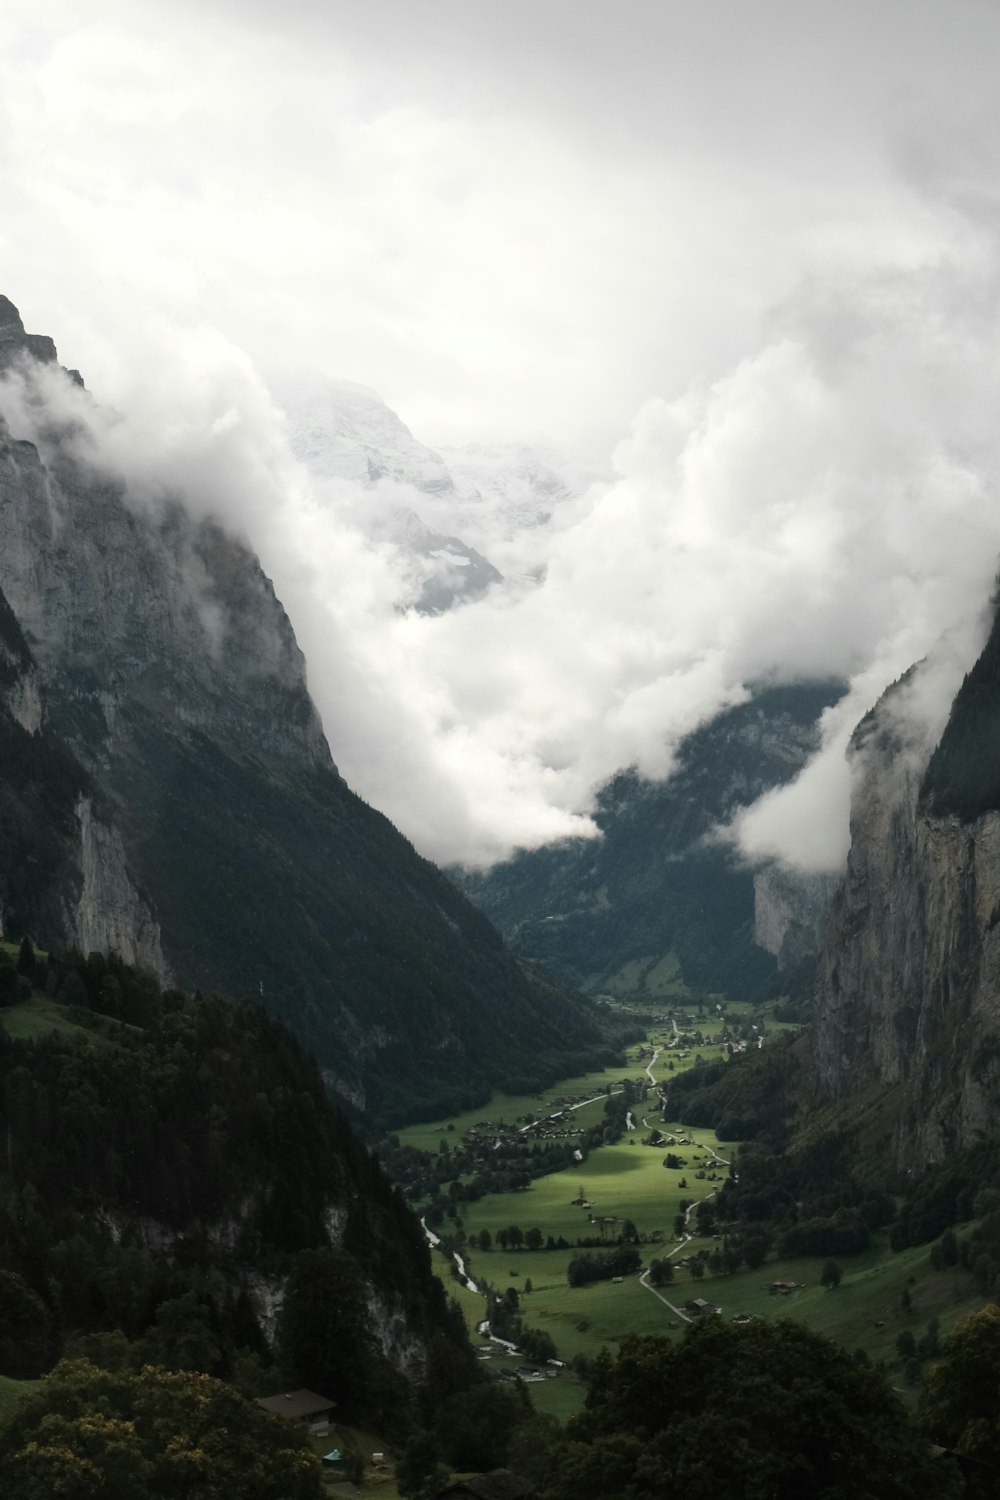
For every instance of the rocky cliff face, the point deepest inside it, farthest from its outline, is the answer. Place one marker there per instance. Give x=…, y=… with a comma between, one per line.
x=110, y=916
x=909, y=981
x=790, y=912
x=656, y=892
x=172, y=673
x=64, y=874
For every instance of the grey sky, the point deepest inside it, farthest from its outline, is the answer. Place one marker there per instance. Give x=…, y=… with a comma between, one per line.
x=754, y=242
x=504, y=217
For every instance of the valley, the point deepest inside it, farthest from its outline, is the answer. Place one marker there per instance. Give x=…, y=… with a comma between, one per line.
x=522, y=1241
x=739, y=1114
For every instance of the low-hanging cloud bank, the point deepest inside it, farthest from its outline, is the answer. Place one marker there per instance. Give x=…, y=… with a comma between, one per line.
x=827, y=508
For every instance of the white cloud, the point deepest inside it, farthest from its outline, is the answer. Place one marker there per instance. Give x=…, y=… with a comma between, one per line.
x=764, y=241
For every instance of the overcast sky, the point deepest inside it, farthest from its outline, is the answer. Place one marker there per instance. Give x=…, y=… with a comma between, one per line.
x=507, y=218
x=749, y=247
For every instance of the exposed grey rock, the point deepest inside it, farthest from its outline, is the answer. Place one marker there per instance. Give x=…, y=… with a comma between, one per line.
x=15, y=342
x=111, y=916
x=81, y=894
x=172, y=672
x=790, y=912
x=452, y=572
x=908, y=991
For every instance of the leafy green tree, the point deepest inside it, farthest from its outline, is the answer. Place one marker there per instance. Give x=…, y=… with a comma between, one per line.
x=474, y=1427
x=26, y=958
x=24, y=1328
x=182, y=1336
x=661, y=1271
x=959, y=1407
x=930, y=1345
x=906, y=1345
x=831, y=1275
x=8, y=983
x=419, y=1471
x=755, y=1248
x=90, y=1434
x=323, y=1338
x=697, y=1269
x=794, y=1415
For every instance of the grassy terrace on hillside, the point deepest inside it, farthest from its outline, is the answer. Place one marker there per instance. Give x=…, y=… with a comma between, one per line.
x=37, y=1017
x=13, y=1391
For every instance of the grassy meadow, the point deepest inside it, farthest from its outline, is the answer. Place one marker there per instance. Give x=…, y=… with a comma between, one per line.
x=37, y=1017
x=627, y=1180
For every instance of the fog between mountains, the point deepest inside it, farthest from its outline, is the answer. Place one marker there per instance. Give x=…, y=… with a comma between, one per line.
x=828, y=507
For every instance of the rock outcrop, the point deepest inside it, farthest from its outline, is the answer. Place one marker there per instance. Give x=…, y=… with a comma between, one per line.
x=172, y=673
x=15, y=342
x=790, y=912
x=64, y=874
x=909, y=982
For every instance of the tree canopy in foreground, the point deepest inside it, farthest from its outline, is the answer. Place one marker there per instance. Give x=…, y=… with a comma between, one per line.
x=766, y=1411
x=87, y=1434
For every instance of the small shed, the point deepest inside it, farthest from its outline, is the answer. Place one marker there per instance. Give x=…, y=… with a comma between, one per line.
x=697, y=1307
x=308, y=1407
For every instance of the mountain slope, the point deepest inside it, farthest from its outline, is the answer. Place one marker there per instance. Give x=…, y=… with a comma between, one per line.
x=909, y=979
x=173, y=1170
x=63, y=870
x=172, y=672
x=615, y=913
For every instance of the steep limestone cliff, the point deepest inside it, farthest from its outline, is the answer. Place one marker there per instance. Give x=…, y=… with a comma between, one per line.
x=790, y=912
x=909, y=981
x=172, y=672
x=63, y=870
x=110, y=915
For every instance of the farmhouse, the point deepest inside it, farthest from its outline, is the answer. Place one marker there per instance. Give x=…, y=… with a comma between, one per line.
x=312, y=1410
x=697, y=1307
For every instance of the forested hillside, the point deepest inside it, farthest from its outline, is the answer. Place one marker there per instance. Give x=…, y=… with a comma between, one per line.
x=174, y=1177
x=654, y=893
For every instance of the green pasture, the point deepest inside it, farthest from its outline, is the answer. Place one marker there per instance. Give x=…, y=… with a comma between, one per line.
x=627, y=1181
x=561, y=1398
x=865, y=1311
x=38, y=1017
x=13, y=1391
x=643, y=980
x=13, y=950
x=510, y=1109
